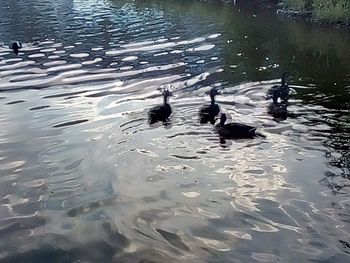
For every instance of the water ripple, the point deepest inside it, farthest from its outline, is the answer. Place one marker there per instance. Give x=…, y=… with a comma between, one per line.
x=83, y=177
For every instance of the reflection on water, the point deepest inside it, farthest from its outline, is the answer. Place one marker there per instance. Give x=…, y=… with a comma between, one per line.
x=83, y=177
x=279, y=111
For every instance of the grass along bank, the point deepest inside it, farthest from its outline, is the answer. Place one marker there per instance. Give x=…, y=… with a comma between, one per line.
x=325, y=11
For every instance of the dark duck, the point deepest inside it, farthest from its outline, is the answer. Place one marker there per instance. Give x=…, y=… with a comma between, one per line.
x=16, y=46
x=234, y=130
x=161, y=112
x=280, y=91
x=207, y=113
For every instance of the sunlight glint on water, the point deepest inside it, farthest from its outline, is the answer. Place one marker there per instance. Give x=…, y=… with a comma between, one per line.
x=83, y=177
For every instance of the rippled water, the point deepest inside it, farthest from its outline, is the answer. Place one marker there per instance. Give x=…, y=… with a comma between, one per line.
x=84, y=178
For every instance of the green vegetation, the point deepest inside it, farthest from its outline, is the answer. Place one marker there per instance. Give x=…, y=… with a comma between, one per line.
x=329, y=11
x=295, y=5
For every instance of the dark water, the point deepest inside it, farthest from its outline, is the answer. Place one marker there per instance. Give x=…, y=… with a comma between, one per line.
x=84, y=178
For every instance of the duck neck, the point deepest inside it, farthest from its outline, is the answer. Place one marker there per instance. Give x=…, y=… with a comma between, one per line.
x=212, y=100
x=165, y=99
x=284, y=81
x=222, y=121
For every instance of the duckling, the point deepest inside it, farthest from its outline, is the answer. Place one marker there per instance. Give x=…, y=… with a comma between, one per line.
x=161, y=112
x=207, y=113
x=16, y=46
x=279, y=91
x=234, y=130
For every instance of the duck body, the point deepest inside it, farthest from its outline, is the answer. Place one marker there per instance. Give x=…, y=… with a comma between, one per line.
x=234, y=130
x=16, y=46
x=207, y=113
x=160, y=112
x=279, y=91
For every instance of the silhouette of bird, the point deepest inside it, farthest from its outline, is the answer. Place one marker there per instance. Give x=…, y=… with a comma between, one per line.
x=160, y=112
x=279, y=91
x=234, y=130
x=207, y=113
x=16, y=46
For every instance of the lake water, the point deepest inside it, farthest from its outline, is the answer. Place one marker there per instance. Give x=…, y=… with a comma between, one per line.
x=84, y=178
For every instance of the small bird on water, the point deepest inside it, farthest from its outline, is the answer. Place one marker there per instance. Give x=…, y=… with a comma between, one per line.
x=16, y=46
x=280, y=91
x=207, y=113
x=160, y=112
x=234, y=130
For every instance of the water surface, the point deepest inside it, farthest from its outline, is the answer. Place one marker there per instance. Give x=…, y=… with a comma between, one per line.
x=84, y=178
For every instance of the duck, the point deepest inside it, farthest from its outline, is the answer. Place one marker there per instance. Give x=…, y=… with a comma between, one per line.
x=16, y=46
x=161, y=112
x=207, y=113
x=280, y=91
x=234, y=130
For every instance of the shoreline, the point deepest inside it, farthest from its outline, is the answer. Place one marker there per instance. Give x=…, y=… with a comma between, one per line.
x=308, y=17
x=308, y=13
x=305, y=13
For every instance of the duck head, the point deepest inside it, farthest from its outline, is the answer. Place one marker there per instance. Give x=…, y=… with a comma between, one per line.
x=285, y=78
x=223, y=119
x=212, y=93
x=166, y=93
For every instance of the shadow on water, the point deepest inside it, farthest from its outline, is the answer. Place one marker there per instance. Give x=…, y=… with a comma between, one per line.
x=279, y=111
x=83, y=177
x=338, y=155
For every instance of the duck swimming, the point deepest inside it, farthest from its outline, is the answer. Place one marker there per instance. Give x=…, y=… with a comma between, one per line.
x=161, y=112
x=207, y=113
x=279, y=91
x=16, y=46
x=234, y=130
